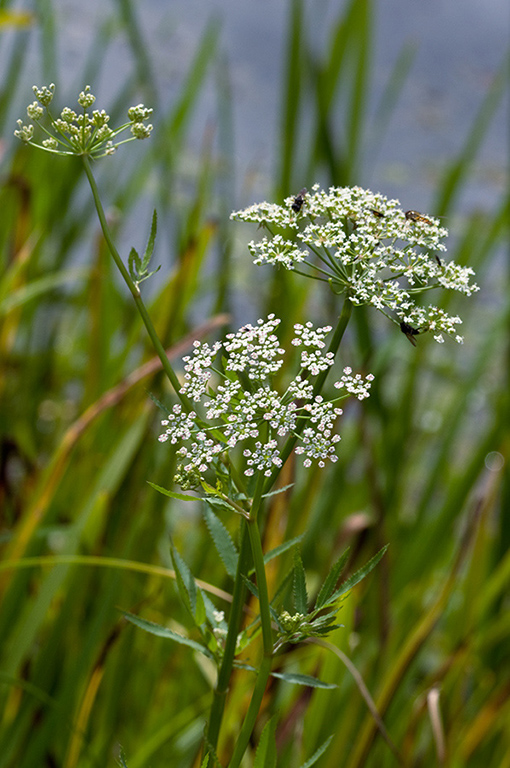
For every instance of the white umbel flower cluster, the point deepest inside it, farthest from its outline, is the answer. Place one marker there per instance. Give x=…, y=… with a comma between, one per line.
x=365, y=246
x=243, y=407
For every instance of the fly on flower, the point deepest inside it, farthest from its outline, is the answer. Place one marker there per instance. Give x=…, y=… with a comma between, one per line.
x=299, y=200
x=365, y=246
x=411, y=332
x=417, y=216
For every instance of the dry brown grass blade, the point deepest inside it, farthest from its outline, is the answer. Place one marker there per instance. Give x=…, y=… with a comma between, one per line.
x=436, y=723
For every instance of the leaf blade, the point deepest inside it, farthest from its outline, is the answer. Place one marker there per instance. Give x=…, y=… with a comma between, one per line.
x=222, y=541
x=160, y=631
x=299, y=586
x=328, y=586
x=359, y=575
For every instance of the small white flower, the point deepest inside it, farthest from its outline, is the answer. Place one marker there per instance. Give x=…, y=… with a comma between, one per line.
x=367, y=247
x=242, y=409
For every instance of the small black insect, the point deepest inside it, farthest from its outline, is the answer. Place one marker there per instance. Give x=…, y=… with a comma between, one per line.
x=377, y=213
x=410, y=332
x=298, y=201
x=417, y=216
x=440, y=263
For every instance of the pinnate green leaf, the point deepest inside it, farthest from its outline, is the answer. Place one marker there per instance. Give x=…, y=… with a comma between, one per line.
x=329, y=584
x=265, y=757
x=300, y=594
x=138, y=267
x=160, y=631
x=222, y=541
x=313, y=759
x=281, y=548
x=360, y=574
x=149, y=250
x=308, y=680
x=171, y=494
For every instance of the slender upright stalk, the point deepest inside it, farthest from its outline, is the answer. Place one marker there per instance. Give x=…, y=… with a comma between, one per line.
x=234, y=624
x=267, y=640
x=134, y=290
x=235, y=617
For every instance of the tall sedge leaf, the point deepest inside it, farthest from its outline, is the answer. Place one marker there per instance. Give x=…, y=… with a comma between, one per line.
x=388, y=99
x=24, y=621
x=359, y=88
x=194, y=81
x=37, y=288
x=459, y=169
x=140, y=48
x=292, y=97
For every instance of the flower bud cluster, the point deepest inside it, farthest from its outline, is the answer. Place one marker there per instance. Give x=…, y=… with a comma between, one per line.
x=44, y=94
x=80, y=133
x=365, y=246
x=243, y=409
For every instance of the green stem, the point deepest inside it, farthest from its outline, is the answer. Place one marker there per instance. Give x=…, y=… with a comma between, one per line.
x=250, y=539
x=267, y=640
x=234, y=623
x=260, y=573
x=251, y=715
x=243, y=565
x=135, y=291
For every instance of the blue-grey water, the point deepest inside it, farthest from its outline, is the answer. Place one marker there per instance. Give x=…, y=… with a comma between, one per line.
x=460, y=45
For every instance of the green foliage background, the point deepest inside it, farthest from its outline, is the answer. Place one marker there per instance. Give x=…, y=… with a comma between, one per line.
x=423, y=465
